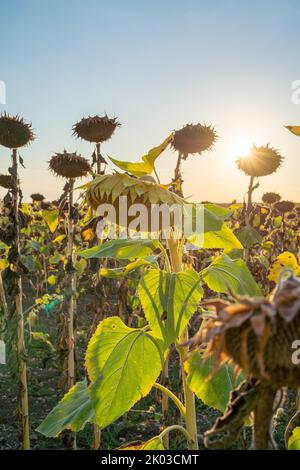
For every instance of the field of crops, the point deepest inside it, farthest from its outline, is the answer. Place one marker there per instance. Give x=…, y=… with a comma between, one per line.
x=118, y=330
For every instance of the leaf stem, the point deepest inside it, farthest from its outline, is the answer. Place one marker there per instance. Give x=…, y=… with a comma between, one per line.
x=164, y=252
x=173, y=397
x=176, y=427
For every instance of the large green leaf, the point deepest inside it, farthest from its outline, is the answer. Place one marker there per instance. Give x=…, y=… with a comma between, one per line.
x=219, y=211
x=216, y=234
x=137, y=169
x=225, y=274
x=212, y=388
x=122, y=248
x=72, y=412
x=248, y=236
x=51, y=218
x=169, y=300
x=123, y=364
x=223, y=238
x=147, y=165
x=294, y=440
x=213, y=219
x=29, y=261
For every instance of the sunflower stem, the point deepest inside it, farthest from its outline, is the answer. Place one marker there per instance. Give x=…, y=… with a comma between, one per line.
x=189, y=397
x=21, y=352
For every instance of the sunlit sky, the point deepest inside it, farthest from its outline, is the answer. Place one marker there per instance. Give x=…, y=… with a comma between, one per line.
x=157, y=65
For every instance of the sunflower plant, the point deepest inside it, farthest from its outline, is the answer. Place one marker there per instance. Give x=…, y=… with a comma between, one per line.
x=124, y=363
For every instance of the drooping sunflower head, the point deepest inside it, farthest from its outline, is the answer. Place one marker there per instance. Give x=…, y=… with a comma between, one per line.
x=37, y=197
x=271, y=198
x=144, y=190
x=292, y=216
x=14, y=132
x=6, y=181
x=111, y=189
x=261, y=161
x=69, y=165
x=257, y=334
x=284, y=206
x=95, y=128
x=194, y=138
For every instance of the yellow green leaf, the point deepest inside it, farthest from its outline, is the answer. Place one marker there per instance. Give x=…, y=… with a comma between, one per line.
x=51, y=219
x=294, y=129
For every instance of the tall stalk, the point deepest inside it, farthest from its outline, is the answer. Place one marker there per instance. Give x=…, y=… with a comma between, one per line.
x=21, y=352
x=98, y=158
x=177, y=175
x=3, y=298
x=249, y=199
x=189, y=397
x=71, y=289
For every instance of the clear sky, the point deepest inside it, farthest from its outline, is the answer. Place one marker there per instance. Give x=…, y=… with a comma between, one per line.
x=157, y=65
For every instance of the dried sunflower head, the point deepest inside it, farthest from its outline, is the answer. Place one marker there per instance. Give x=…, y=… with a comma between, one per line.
x=14, y=131
x=69, y=165
x=284, y=206
x=37, y=197
x=6, y=181
x=194, y=138
x=261, y=161
x=45, y=205
x=95, y=128
x=257, y=334
x=271, y=198
x=292, y=216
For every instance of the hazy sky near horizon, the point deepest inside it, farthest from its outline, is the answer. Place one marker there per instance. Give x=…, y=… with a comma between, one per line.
x=157, y=65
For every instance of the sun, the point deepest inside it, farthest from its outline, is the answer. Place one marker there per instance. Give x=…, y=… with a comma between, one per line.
x=239, y=147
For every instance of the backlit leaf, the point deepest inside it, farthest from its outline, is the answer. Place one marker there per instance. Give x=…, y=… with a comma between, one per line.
x=51, y=218
x=123, y=364
x=169, y=300
x=72, y=412
x=212, y=388
x=225, y=274
x=123, y=248
x=147, y=165
x=294, y=440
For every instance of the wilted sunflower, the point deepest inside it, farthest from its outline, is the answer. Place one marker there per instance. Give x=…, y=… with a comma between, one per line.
x=14, y=131
x=291, y=216
x=284, y=206
x=95, y=128
x=271, y=198
x=37, y=197
x=261, y=161
x=6, y=181
x=108, y=189
x=194, y=138
x=257, y=335
x=45, y=205
x=69, y=165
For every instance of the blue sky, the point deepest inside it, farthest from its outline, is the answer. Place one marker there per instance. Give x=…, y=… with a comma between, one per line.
x=157, y=65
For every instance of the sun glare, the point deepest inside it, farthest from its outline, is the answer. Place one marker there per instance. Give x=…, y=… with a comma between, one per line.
x=239, y=147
